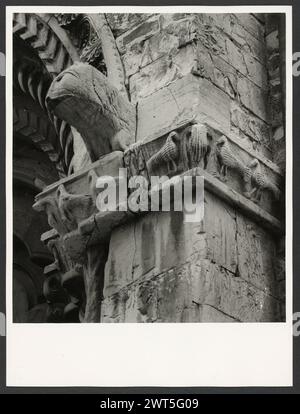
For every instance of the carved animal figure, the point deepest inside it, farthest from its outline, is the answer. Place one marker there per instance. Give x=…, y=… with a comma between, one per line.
x=261, y=182
x=73, y=207
x=49, y=205
x=198, y=147
x=227, y=159
x=168, y=154
x=84, y=98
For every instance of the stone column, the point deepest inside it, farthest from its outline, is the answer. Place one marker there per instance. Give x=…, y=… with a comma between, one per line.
x=199, y=85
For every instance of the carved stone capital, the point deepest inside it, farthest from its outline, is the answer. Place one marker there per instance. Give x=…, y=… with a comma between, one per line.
x=194, y=144
x=232, y=172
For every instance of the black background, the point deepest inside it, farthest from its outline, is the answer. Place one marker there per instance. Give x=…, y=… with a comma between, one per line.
x=296, y=216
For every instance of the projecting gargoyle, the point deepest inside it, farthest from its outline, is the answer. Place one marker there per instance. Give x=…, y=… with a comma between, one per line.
x=84, y=98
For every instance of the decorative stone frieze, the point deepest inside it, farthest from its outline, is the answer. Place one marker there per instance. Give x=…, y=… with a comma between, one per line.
x=169, y=95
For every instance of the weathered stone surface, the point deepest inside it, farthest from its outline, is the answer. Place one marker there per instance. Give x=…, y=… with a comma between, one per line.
x=256, y=252
x=250, y=125
x=210, y=314
x=148, y=48
x=78, y=182
x=220, y=227
x=234, y=296
x=181, y=100
x=238, y=156
x=120, y=264
x=166, y=69
x=180, y=294
x=246, y=64
x=251, y=24
x=198, y=88
x=148, y=24
x=169, y=271
x=196, y=31
x=149, y=246
x=253, y=98
x=240, y=203
x=230, y=24
x=163, y=71
x=260, y=17
x=167, y=298
x=93, y=280
x=152, y=36
x=81, y=158
x=276, y=72
x=123, y=22
x=84, y=98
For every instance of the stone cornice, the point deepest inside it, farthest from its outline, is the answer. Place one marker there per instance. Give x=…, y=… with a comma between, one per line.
x=97, y=228
x=243, y=179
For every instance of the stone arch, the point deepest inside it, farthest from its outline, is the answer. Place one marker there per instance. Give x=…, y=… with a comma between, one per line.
x=28, y=225
x=46, y=35
x=30, y=124
x=32, y=171
x=50, y=42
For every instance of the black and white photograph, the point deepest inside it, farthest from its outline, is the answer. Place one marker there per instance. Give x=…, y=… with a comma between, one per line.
x=151, y=95
x=149, y=196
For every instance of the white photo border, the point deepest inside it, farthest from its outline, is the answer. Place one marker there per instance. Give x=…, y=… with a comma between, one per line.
x=187, y=354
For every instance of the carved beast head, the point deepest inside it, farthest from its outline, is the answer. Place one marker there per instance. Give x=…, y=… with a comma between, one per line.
x=83, y=97
x=221, y=141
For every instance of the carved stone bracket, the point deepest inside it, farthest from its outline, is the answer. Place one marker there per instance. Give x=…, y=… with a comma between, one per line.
x=81, y=234
x=193, y=144
x=98, y=228
x=172, y=153
x=69, y=203
x=84, y=98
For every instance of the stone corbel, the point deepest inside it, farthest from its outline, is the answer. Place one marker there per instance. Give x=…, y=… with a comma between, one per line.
x=231, y=171
x=65, y=210
x=78, y=262
x=193, y=144
x=179, y=150
x=73, y=208
x=50, y=207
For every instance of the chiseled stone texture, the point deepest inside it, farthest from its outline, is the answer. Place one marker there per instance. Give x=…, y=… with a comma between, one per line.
x=221, y=270
x=226, y=269
x=150, y=246
x=229, y=50
x=197, y=291
x=189, y=96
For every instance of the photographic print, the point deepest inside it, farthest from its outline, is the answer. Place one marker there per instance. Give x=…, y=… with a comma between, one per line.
x=149, y=167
